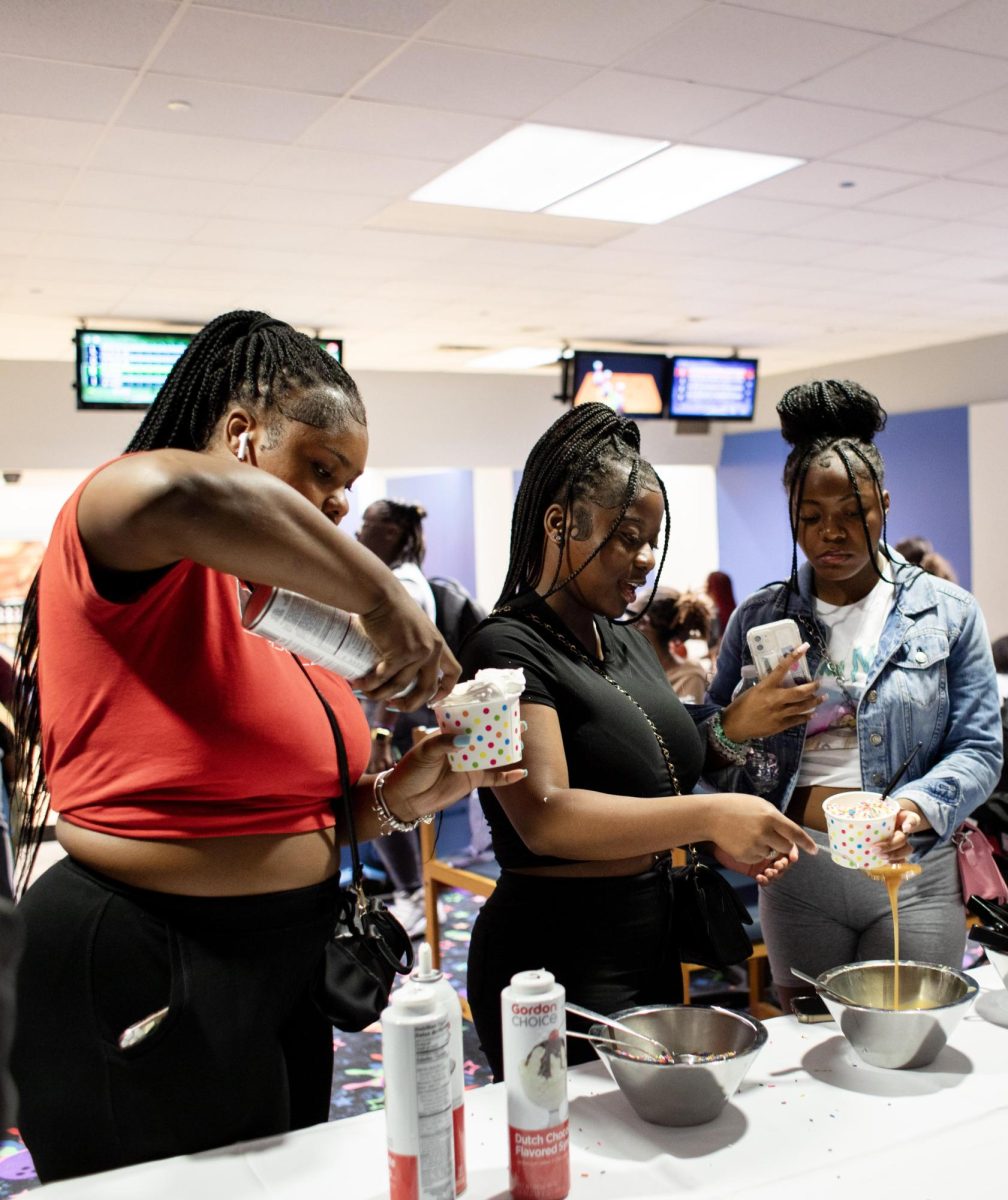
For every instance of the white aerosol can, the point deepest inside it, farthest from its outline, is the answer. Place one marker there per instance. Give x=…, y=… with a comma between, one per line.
x=428, y=976
x=328, y=636
x=535, y=1077
x=418, y=1111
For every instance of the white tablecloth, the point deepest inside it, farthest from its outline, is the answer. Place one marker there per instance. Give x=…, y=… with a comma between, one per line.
x=810, y=1120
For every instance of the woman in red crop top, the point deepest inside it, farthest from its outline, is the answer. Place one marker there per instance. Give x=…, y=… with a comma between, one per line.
x=192, y=765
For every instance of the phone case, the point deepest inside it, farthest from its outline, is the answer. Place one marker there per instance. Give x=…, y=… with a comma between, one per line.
x=769, y=643
x=810, y=1010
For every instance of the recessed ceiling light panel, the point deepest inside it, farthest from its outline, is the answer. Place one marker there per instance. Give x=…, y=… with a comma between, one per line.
x=533, y=166
x=672, y=182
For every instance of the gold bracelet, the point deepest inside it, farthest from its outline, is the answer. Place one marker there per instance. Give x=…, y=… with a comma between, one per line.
x=387, y=820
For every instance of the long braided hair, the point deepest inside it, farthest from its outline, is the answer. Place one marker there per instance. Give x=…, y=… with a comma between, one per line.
x=244, y=357
x=589, y=454
x=408, y=518
x=832, y=417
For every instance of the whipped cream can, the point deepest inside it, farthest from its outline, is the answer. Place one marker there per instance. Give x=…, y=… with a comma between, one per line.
x=327, y=636
x=416, y=1034
x=535, y=1078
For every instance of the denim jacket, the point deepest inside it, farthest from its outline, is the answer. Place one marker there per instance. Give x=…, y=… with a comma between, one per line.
x=932, y=681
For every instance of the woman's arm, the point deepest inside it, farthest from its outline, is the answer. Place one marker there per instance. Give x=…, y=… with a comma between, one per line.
x=150, y=510
x=970, y=756
x=575, y=823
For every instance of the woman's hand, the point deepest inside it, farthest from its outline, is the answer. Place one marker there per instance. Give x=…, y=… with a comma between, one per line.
x=909, y=820
x=763, y=872
x=423, y=782
x=412, y=656
x=773, y=704
x=753, y=833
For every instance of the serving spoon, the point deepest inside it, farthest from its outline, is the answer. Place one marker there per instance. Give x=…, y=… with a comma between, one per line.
x=660, y=1053
x=820, y=987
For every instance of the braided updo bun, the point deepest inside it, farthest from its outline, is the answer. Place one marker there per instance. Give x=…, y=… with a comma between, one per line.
x=829, y=408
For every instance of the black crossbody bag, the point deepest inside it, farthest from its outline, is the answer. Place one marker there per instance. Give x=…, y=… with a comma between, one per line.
x=367, y=947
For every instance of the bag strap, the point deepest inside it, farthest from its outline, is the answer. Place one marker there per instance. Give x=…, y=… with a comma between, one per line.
x=357, y=883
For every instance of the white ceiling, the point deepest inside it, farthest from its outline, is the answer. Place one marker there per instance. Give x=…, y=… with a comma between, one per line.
x=285, y=185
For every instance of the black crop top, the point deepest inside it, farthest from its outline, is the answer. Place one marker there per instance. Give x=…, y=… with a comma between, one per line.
x=607, y=740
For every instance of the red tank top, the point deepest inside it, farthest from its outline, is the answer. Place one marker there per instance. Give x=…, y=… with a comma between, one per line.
x=164, y=718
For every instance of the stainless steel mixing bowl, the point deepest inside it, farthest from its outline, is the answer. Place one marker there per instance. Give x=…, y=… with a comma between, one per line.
x=683, y=1093
x=933, y=1000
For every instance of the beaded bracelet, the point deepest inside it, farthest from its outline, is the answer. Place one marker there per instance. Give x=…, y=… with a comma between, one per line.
x=387, y=820
x=734, y=752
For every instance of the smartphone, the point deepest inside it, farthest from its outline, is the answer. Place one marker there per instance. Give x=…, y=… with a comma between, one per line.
x=810, y=1010
x=133, y=1034
x=769, y=643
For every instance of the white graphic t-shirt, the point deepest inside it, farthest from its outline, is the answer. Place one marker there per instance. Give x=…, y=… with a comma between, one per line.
x=830, y=757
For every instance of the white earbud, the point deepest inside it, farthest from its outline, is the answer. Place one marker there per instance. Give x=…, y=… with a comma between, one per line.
x=242, y=446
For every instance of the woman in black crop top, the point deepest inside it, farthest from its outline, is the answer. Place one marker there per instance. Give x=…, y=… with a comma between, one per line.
x=612, y=755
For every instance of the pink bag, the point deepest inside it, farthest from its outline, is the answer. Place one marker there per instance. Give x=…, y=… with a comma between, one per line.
x=978, y=871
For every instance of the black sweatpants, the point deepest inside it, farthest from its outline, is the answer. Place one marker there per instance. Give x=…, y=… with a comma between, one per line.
x=241, y=1053
x=608, y=941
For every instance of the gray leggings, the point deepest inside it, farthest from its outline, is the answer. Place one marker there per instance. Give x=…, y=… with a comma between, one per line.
x=820, y=915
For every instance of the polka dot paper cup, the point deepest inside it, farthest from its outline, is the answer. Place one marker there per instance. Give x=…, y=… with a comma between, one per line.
x=493, y=728
x=856, y=822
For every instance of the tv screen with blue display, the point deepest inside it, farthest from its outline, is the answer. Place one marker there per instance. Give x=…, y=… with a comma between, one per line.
x=712, y=389
x=119, y=368
x=635, y=385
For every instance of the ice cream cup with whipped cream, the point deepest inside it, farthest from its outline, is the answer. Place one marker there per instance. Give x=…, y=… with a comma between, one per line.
x=487, y=712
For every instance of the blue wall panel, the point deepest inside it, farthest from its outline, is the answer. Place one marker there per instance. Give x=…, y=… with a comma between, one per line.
x=927, y=475
x=449, y=528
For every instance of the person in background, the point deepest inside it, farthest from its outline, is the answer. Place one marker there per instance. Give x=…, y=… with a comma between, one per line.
x=393, y=530
x=612, y=754
x=999, y=650
x=669, y=622
x=914, y=548
x=164, y=998
x=719, y=588
x=936, y=564
x=904, y=663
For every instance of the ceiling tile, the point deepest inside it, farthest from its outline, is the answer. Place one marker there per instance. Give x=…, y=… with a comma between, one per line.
x=236, y=48
x=101, y=249
x=24, y=215
x=796, y=127
x=928, y=147
x=835, y=184
x=123, y=223
x=226, y=231
x=450, y=221
x=154, y=193
x=749, y=213
x=985, y=112
x=178, y=155
x=880, y=259
x=111, y=33
x=965, y=266
x=737, y=47
x=980, y=25
x=35, y=181
x=477, y=81
x=369, y=127
x=297, y=204
x=643, y=105
x=350, y=171
x=42, y=268
x=995, y=171
x=894, y=16
x=384, y=16
x=35, y=88
x=942, y=198
x=43, y=140
x=908, y=78
x=957, y=237
x=859, y=225
x=221, y=109
x=583, y=31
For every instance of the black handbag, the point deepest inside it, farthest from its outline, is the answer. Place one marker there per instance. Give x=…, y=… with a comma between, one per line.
x=368, y=947
x=709, y=915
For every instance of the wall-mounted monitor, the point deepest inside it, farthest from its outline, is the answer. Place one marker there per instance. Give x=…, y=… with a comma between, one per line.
x=635, y=385
x=712, y=389
x=121, y=368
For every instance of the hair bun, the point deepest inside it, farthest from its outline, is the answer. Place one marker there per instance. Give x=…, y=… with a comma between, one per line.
x=829, y=408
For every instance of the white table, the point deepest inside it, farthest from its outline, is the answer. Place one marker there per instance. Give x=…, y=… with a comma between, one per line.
x=810, y=1121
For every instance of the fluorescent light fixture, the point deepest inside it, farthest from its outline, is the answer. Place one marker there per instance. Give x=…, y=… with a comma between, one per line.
x=533, y=166
x=672, y=182
x=518, y=358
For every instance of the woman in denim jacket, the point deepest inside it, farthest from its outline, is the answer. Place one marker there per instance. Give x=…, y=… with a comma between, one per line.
x=902, y=658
